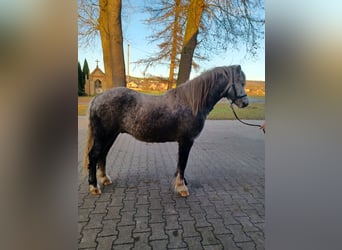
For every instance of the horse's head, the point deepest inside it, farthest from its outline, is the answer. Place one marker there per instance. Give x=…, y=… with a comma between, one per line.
x=236, y=88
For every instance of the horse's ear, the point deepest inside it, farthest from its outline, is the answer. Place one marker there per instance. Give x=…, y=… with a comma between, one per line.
x=238, y=68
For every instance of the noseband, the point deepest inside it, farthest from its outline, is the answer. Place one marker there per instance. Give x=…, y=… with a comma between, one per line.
x=236, y=96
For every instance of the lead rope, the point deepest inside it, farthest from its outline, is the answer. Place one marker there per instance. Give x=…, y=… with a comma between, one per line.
x=246, y=123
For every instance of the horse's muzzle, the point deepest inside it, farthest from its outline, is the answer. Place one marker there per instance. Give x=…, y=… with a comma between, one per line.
x=244, y=102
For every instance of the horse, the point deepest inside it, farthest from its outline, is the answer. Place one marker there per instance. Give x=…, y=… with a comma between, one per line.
x=178, y=115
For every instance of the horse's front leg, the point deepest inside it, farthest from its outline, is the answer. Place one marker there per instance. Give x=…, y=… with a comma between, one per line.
x=184, y=147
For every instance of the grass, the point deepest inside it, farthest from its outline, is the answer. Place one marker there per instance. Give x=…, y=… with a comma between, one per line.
x=221, y=111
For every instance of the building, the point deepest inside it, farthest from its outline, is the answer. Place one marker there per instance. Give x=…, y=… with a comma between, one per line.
x=96, y=83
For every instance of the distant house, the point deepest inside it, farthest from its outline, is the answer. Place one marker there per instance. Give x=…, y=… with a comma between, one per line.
x=96, y=83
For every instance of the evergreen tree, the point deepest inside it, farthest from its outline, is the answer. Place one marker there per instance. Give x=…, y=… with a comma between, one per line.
x=85, y=69
x=81, y=81
x=85, y=74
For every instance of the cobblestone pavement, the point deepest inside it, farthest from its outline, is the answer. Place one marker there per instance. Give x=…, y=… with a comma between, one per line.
x=225, y=209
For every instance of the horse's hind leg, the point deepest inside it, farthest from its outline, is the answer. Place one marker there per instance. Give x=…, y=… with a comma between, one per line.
x=101, y=171
x=94, y=156
x=183, y=155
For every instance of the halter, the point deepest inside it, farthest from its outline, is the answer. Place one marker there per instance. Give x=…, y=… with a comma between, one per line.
x=232, y=101
x=236, y=96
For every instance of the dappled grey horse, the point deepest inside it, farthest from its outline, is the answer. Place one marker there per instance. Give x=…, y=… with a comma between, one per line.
x=178, y=115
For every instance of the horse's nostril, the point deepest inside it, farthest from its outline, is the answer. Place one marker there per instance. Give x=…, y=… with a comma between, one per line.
x=245, y=104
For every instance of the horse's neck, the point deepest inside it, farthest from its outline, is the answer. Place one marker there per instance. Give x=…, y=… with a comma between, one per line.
x=215, y=94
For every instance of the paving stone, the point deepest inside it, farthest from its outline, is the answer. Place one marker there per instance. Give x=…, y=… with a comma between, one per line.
x=105, y=197
x=195, y=207
x=129, y=205
x=213, y=247
x=113, y=213
x=228, y=219
x=83, y=214
x=225, y=209
x=211, y=212
x=219, y=227
x=189, y=229
x=193, y=242
x=258, y=239
x=141, y=241
x=246, y=245
x=238, y=234
x=117, y=201
x=247, y=226
x=227, y=241
x=142, y=210
x=154, y=194
x=254, y=216
x=208, y=238
x=89, y=202
x=109, y=228
x=158, y=232
x=171, y=222
x=142, y=200
x=205, y=202
x=200, y=220
x=181, y=202
x=125, y=235
x=169, y=209
x=159, y=244
x=88, y=239
x=184, y=214
x=95, y=221
x=130, y=195
x=175, y=239
x=155, y=204
x=141, y=224
x=156, y=216
x=80, y=226
x=123, y=247
x=105, y=242
x=100, y=208
x=127, y=218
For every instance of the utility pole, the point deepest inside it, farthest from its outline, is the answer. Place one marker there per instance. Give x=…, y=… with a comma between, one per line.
x=128, y=63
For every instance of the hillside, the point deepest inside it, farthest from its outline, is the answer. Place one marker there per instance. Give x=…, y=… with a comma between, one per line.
x=253, y=88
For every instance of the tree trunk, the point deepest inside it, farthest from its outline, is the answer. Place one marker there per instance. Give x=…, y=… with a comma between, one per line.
x=174, y=44
x=193, y=21
x=104, y=34
x=116, y=43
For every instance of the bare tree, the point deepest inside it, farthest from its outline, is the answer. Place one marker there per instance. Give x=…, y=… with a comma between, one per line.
x=193, y=22
x=167, y=21
x=103, y=17
x=219, y=25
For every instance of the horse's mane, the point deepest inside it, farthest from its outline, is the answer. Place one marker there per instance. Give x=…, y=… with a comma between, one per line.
x=195, y=92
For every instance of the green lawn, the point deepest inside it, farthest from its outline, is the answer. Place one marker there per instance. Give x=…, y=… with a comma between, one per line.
x=221, y=111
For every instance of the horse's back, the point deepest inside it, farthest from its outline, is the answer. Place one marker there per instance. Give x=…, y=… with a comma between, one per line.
x=147, y=118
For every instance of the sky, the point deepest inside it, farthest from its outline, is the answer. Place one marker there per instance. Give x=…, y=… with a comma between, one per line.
x=135, y=34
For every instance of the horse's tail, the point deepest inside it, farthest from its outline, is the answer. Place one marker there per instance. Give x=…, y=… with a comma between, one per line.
x=90, y=139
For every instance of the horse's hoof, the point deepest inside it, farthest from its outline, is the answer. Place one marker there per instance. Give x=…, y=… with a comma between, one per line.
x=94, y=190
x=183, y=193
x=106, y=180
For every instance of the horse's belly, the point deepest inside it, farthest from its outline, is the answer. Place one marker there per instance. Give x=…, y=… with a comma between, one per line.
x=154, y=134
